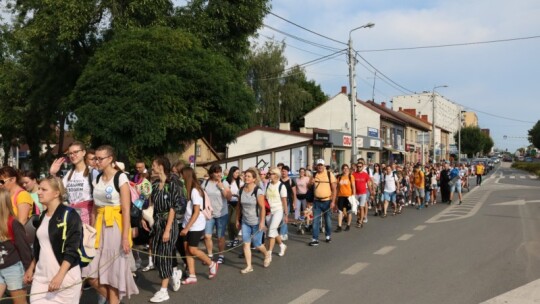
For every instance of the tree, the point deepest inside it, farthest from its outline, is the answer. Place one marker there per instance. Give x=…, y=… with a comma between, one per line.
x=534, y=135
x=154, y=88
x=487, y=144
x=473, y=140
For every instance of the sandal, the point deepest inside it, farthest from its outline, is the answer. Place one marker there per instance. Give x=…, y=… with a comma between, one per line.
x=267, y=259
x=148, y=268
x=221, y=259
x=246, y=270
x=189, y=280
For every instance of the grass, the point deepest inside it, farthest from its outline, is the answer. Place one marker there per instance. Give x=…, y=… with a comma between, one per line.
x=530, y=167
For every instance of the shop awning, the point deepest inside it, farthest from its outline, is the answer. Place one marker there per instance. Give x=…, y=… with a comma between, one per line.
x=391, y=150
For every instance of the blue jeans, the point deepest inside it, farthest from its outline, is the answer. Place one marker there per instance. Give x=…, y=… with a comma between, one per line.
x=318, y=208
x=284, y=229
x=428, y=197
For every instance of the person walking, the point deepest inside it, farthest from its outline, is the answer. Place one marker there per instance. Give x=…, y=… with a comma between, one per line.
x=479, y=171
x=290, y=185
x=325, y=193
x=444, y=182
x=301, y=191
x=235, y=183
x=276, y=194
x=346, y=188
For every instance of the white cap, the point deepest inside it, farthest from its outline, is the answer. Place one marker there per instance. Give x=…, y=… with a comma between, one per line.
x=320, y=162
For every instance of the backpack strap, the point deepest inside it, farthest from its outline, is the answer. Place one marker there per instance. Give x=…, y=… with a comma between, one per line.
x=90, y=182
x=11, y=234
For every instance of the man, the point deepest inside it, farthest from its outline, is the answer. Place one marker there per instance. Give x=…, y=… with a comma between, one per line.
x=290, y=185
x=324, y=201
x=390, y=189
x=444, y=181
x=140, y=167
x=479, y=172
x=455, y=175
x=419, y=184
x=361, y=179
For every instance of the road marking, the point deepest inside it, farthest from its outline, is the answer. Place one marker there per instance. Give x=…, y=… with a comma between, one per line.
x=385, y=250
x=405, y=237
x=528, y=293
x=354, y=269
x=512, y=177
x=533, y=176
x=420, y=227
x=519, y=202
x=310, y=296
x=522, y=176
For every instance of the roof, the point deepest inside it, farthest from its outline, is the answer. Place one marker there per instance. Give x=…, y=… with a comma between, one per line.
x=274, y=130
x=414, y=121
x=383, y=111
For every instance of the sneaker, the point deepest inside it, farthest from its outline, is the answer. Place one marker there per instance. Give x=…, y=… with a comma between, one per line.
x=282, y=249
x=221, y=259
x=212, y=270
x=235, y=243
x=230, y=244
x=267, y=259
x=365, y=220
x=347, y=228
x=148, y=268
x=176, y=279
x=460, y=202
x=314, y=243
x=328, y=239
x=160, y=296
x=338, y=229
x=284, y=237
x=190, y=280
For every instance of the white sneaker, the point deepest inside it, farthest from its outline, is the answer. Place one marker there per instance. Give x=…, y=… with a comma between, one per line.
x=176, y=279
x=160, y=296
x=284, y=237
x=282, y=249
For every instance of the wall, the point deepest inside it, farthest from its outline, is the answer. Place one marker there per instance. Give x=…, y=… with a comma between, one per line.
x=259, y=140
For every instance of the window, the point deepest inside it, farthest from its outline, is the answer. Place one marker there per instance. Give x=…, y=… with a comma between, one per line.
x=198, y=150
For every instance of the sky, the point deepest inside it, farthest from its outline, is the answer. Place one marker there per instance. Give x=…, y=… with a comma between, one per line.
x=495, y=80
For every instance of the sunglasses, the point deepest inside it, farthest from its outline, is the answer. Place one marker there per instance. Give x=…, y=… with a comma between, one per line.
x=3, y=181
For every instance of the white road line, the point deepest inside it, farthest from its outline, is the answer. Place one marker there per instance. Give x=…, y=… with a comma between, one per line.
x=354, y=269
x=310, y=296
x=533, y=176
x=420, y=227
x=385, y=250
x=528, y=293
x=522, y=176
x=512, y=177
x=405, y=237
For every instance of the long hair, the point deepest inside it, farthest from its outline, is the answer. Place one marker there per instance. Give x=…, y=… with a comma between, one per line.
x=83, y=148
x=8, y=172
x=230, y=176
x=110, y=152
x=165, y=163
x=191, y=181
x=5, y=212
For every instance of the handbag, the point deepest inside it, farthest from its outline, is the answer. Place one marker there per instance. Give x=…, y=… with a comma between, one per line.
x=354, y=203
x=148, y=215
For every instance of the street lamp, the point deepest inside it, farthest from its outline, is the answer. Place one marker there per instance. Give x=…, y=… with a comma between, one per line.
x=352, y=84
x=433, y=119
x=461, y=112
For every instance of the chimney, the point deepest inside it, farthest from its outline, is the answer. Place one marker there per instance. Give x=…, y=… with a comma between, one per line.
x=411, y=112
x=285, y=126
x=400, y=109
x=344, y=90
x=424, y=118
x=383, y=104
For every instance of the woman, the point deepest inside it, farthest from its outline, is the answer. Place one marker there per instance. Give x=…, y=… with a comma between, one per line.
x=15, y=253
x=112, y=280
x=219, y=194
x=21, y=201
x=235, y=183
x=77, y=182
x=194, y=227
x=55, y=272
x=30, y=183
x=346, y=188
x=301, y=190
x=250, y=217
x=165, y=196
x=375, y=190
x=276, y=194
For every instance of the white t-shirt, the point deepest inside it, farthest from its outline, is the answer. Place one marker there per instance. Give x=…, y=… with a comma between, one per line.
x=104, y=192
x=77, y=188
x=273, y=195
x=235, y=190
x=390, y=182
x=196, y=199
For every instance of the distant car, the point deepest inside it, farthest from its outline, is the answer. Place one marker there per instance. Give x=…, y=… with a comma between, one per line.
x=528, y=159
x=507, y=159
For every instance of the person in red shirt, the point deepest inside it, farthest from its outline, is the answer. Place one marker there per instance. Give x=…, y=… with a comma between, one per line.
x=361, y=179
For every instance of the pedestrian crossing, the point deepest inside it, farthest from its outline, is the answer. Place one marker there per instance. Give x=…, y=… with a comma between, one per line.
x=518, y=176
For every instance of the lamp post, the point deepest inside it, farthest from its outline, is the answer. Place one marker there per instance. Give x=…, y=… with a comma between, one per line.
x=352, y=84
x=459, y=134
x=433, y=119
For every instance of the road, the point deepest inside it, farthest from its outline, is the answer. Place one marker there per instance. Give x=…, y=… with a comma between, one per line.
x=470, y=253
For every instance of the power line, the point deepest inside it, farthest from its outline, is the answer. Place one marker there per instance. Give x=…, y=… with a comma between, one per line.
x=295, y=47
x=322, y=46
x=321, y=35
x=498, y=116
x=389, y=79
x=449, y=45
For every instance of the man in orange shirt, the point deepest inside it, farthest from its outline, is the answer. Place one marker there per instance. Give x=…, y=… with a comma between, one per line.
x=325, y=200
x=479, y=172
x=419, y=186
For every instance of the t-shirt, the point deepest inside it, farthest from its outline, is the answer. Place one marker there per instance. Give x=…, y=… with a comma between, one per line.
x=105, y=193
x=274, y=195
x=219, y=202
x=360, y=181
x=13, y=251
x=196, y=199
x=35, y=197
x=302, y=185
x=234, y=190
x=22, y=198
x=77, y=187
x=344, y=186
x=419, y=179
x=479, y=169
x=289, y=185
x=390, y=181
x=248, y=202
x=323, y=187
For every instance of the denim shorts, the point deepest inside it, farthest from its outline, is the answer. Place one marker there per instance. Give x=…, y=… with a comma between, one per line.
x=12, y=276
x=455, y=188
x=361, y=198
x=219, y=222
x=251, y=234
x=389, y=196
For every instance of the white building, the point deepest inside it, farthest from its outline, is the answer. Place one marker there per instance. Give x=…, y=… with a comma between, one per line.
x=446, y=112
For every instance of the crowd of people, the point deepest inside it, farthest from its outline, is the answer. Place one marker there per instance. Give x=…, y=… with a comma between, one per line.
x=169, y=211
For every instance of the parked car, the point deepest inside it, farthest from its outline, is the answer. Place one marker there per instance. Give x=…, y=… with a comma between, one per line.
x=507, y=159
x=528, y=159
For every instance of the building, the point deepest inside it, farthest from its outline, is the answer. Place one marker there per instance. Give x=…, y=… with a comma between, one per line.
x=198, y=153
x=470, y=119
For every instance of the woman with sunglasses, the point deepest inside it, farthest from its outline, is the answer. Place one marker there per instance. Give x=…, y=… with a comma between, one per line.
x=77, y=182
x=21, y=201
x=109, y=272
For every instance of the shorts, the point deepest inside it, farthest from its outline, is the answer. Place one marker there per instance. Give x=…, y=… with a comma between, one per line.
x=362, y=199
x=455, y=188
x=273, y=223
x=193, y=238
x=219, y=222
x=389, y=196
x=252, y=234
x=12, y=276
x=419, y=192
x=343, y=203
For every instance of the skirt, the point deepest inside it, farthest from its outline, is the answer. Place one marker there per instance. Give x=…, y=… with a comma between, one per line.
x=111, y=265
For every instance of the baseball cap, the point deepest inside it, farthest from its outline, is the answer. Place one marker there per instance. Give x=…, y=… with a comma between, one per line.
x=320, y=162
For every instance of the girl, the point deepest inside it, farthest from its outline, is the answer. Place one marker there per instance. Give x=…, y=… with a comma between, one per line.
x=15, y=253
x=252, y=212
x=112, y=280
x=30, y=183
x=55, y=272
x=21, y=201
x=346, y=188
x=235, y=183
x=165, y=196
x=194, y=226
x=301, y=191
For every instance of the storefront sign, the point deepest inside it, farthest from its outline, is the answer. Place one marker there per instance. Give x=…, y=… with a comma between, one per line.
x=321, y=136
x=375, y=143
x=360, y=142
x=347, y=141
x=373, y=132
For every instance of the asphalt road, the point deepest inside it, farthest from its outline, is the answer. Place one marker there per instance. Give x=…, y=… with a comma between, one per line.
x=467, y=253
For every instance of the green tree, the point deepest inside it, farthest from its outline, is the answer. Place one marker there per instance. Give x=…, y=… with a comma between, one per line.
x=153, y=88
x=534, y=135
x=487, y=144
x=472, y=140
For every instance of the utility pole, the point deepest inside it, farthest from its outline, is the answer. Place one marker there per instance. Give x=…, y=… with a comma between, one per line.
x=433, y=120
x=352, y=84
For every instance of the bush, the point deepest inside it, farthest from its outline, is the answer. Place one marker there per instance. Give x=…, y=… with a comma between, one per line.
x=530, y=167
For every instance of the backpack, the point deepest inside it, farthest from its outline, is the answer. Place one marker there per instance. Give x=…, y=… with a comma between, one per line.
x=87, y=249
x=206, y=209
x=135, y=212
x=254, y=193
